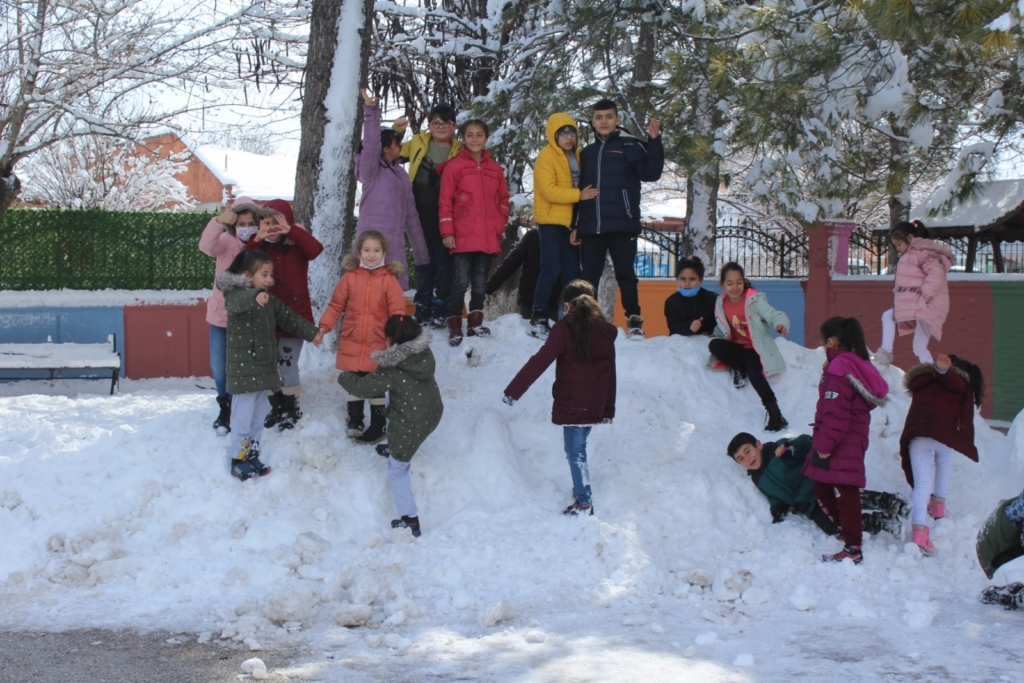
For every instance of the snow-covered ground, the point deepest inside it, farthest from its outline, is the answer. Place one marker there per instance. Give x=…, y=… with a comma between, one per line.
x=119, y=512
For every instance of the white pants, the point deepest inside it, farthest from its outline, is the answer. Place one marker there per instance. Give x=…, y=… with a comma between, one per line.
x=922, y=335
x=247, y=413
x=932, y=465
x=401, y=487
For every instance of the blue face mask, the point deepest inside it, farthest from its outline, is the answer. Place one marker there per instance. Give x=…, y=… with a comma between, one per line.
x=692, y=291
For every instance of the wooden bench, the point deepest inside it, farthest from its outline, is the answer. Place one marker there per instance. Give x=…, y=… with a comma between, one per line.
x=53, y=357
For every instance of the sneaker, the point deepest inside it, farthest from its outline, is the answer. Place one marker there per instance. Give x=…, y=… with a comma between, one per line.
x=254, y=460
x=406, y=522
x=578, y=509
x=883, y=358
x=635, y=328
x=384, y=450
x=539, y=327
x=242, y=469
x=739, y=378
x=849, y=552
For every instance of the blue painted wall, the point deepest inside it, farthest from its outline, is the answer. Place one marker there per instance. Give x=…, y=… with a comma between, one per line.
x=89, y=325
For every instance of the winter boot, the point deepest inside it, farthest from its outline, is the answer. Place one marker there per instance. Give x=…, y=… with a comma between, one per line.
x=289, y=412
x=438, y=318
x=883, y=501
x=775, y=420
x=877, y=522
x=739, y=377
x=475, y=325
x=406, y=522
x=222, y=425
x=849, y=552
x=454, y=330
x=937, y=507
x=539, y=326
x=923, y=542
x=276, y=409
x=241, y=468
x=383, y=450
x=378, y=424
x=354, y=421
x=1010, y=597
x=635, y=328
x=423, y=312
x=254, y=460
x=883, y=358
x=577, y=509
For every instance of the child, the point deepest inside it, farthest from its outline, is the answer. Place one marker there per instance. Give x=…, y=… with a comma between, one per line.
x=427, y=150
x=940, y=422
x=849, y=390
x=744, y=342
x=1001, y=540
x=253, y=314
x=525, y=255
x=582, y=346
x=386, y=204
x=224, y=237
x=691, y=310
x=473, y=214
x=556, y=192
x=367, y=294
x=291, y=247
x=776, y=469
x=406, y=371
x=921, y=301
x=615, y=164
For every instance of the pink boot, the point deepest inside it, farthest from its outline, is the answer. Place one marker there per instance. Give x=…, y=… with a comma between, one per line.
x=937, y=507
x=922, y=541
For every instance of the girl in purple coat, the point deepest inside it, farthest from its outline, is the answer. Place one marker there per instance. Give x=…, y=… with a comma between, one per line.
x=387, y=204
x=849, y=390
x=582, y=346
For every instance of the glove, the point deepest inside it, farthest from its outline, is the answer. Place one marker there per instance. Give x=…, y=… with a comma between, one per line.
x=607, y=421
x=779, y=513
x=508, y=400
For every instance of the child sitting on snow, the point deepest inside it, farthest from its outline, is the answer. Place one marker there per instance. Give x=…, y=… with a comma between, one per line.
x=776, y=469
x=1001, y=540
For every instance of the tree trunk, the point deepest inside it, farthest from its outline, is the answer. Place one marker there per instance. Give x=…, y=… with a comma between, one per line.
x=701, y=218
x=9, y=188
x=899, y=174
x=643, y=73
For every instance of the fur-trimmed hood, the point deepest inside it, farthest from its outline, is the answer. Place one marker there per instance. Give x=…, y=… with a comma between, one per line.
x=228, y=281
x=399, y=353
x=917, y=370
x=351, y=262
x=860, y=374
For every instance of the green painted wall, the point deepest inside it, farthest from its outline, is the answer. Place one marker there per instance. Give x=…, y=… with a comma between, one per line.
x=1007, y=382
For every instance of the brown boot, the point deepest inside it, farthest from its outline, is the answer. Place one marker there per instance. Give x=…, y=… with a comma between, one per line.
x=455, y=330
x=475, y=325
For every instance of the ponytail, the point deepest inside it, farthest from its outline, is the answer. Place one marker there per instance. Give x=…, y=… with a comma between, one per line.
x=849, y=333
x=585, y=312
x=974, y=373
x=401, y=328
x=248, y=262
x=904, y=230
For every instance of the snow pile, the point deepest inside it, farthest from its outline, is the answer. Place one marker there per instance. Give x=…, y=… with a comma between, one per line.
x=119, y=511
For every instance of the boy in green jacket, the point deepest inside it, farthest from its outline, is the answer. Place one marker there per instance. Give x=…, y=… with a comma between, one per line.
x=776, y=469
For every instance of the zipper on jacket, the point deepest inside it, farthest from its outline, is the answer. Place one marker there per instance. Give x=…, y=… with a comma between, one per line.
x=625, y=199
x=600, y=157
x=366, y=318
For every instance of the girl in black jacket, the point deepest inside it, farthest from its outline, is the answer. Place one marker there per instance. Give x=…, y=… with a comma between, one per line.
x=691, y=310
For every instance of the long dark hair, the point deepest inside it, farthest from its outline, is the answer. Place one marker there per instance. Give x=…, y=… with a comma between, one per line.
x=585, y=314
x=849, y=333
x=974, y=372
x=249, y=262
x=401, y=328
x=728, y=268
x=904, y=230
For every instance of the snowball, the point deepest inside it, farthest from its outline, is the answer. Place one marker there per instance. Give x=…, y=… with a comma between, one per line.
x=294, y=605
x=498, y=612
x=250, y=665
x=756, y=596
x=392, y=640
x=728, y=585
x=920, y=614
x=374, y=639
x=353, y=615
x=706, y=638
x=803, y=599
x=700, y=578
x=534, y=637
x=396, y=619
x=682, y=590
x=461, y=600
x=745, y=659
x=252, y=644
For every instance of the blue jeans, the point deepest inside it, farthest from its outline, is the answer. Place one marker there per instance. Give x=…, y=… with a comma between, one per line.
x=219, y=358
x=558, y=259
x=576, y=453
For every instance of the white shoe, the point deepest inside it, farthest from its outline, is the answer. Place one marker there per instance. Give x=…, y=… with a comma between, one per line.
x=883, y=358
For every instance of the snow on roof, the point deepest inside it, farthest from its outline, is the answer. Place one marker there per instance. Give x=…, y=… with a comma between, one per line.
x=258, y=176
x=997, y=200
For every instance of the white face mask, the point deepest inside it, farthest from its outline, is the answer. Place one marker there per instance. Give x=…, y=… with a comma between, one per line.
x=245, y=232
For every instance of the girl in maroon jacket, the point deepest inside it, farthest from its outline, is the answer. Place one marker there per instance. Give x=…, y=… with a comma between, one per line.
x=849, y=390
x=940, y=422
x=473, y=213
x=582, y=346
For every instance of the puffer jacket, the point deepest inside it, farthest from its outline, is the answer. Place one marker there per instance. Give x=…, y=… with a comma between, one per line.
x=554, y=197
x=921, y=292
x=217, y=242
x=616, y=166
x=781, y=478
x=942, y=408
x=291, y=262
x=849, y=390
x=474, y=203
x=251, y=342
x=406, y=372
x=762, y=320
x=386, y=203
x=1000, y=538
x=367, y=298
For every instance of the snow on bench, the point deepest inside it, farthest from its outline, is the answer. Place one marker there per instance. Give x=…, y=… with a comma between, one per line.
x=54, y=357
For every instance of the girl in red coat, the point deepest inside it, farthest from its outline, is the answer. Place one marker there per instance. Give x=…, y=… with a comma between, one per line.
x=849, y=390
x=582, y=346
x=940, y=422
x=473, y=213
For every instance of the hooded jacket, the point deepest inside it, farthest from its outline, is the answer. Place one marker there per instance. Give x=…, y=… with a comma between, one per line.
x=921, y=292
x=414, y=150
x=554, y=197
x=849, y=390
x=251, y=342
x=386, y=203
x=406, y=372
x=474, y=203
x=762, y=319
x=367, y=298
x=616, y=166
x=942, y=408
x=217, y=242
x=781, y=478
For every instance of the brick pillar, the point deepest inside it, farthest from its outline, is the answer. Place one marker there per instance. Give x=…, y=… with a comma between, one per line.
x=828, y=253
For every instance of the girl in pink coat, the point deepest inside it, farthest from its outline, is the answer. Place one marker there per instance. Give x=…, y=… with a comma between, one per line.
x=921, y=301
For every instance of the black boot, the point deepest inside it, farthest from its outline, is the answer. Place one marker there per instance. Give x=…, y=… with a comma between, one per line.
x=775, y=420
x=276, y=408
x=886, y=502
x=424, y=311
x=378, y=425
x=222, y=425
x=739, y=377
x=539, y=326
x=289, y=412
x=354, y=421
x=1010, y=597
x=406, y=522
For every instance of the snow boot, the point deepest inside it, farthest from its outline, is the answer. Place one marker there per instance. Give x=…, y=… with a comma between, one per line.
x=407, y=522
x=923, y=542
x=222, y=425
x=241, y=468
x=539, y=327
x=1010, y=597
x=739, y=377
x=475, y=325
x=384, y=450
x=276, y=408
x=454, y=330
x=883, y=501
x=378, y=425
x=289, y=412
x=438, y=318
x=635, y=328
x=937, y=507
x=883, y=358
x=775, y=420
x=876, y=522
x=423, y=312
x=254, y=460
x=354, y=421
x=849, y=552
x=577, y=509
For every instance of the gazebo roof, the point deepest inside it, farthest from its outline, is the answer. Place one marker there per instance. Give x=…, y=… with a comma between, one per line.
x=999, y=202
